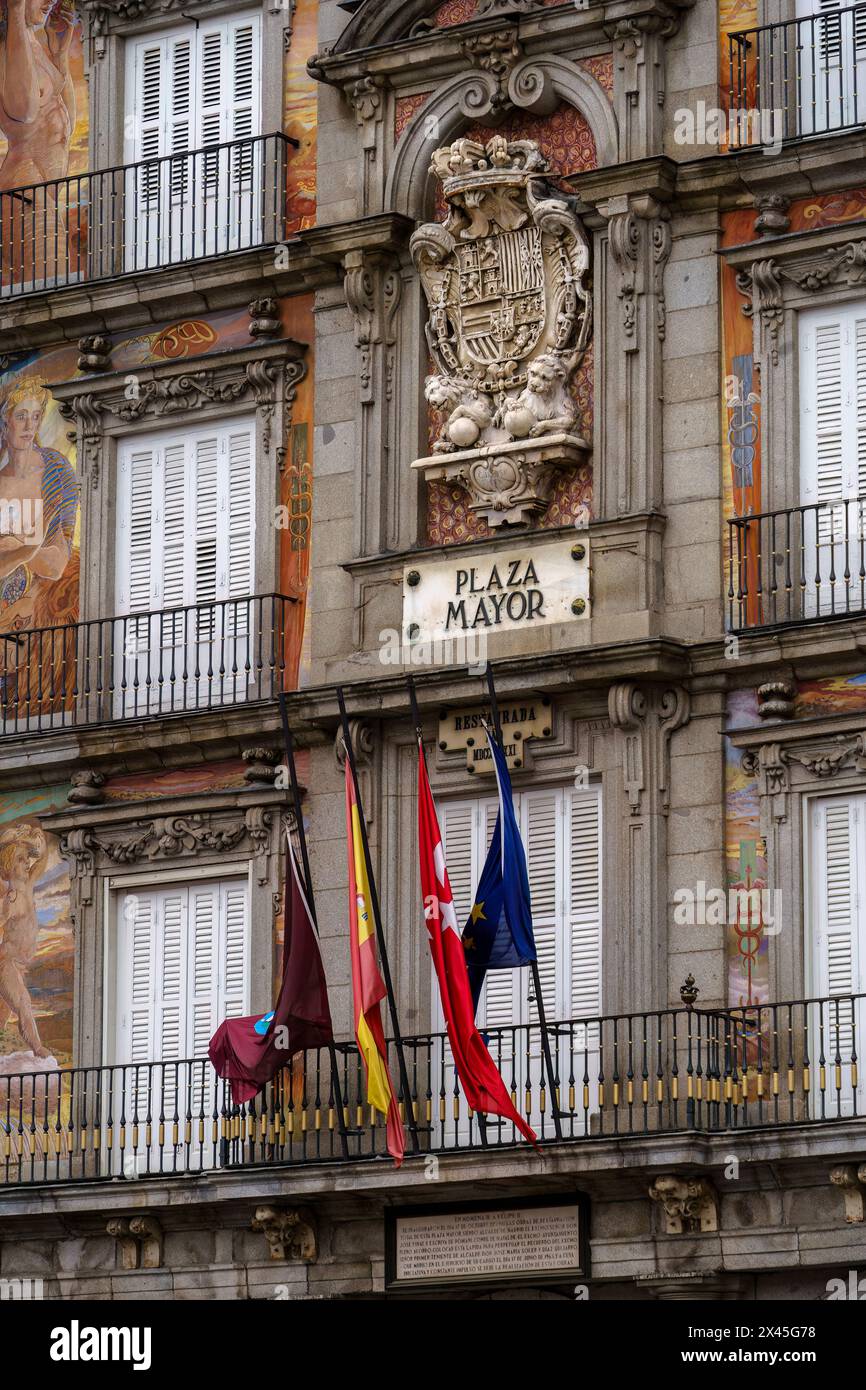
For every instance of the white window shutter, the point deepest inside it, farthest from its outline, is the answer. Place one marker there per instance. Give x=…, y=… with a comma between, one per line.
x=583, y=902
x=240, y=444
x=837, y=944
x=541, y=831
x=209, y=518
x=169, y=984
x=859, y=370
x=245, y=67
x=183, y=966
x=822, y=407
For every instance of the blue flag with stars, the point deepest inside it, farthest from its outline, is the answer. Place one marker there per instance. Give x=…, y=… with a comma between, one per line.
x=498, y=934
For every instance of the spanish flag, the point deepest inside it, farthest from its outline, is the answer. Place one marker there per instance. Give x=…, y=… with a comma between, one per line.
x=368, y=988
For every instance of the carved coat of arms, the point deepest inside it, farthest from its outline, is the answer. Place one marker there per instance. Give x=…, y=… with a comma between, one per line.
x=506, y=278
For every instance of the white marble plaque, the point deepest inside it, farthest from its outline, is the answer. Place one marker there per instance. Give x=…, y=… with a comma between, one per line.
x=507, y=1242
x=500, y=591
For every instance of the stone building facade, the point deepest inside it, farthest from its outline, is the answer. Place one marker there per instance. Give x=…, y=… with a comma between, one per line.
x=525, y=333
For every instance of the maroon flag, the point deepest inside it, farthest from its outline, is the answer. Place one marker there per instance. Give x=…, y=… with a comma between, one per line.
x=247, y=1052
x=482, y=1085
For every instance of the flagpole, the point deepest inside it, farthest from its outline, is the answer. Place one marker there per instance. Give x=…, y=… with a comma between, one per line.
x=416, y=719
x=380, y=935
x=533, y=965
x=311, y=902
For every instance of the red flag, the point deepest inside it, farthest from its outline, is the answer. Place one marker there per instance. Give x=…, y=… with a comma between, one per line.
x=368, y=987
x=483, y=1086
x=249, y=1051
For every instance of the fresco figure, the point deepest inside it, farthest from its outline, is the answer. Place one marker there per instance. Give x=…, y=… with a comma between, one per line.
x=39, y=482
x=23, y=860
x=37, y=118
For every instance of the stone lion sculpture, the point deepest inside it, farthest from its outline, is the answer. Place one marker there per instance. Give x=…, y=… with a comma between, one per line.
x=544, y=405
x=469, y=412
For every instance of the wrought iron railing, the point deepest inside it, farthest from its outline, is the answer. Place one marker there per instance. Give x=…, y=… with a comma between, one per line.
x=136, y=217
x=623, y=1076
x=802, y=77
x=800, y=564
x=136, y=665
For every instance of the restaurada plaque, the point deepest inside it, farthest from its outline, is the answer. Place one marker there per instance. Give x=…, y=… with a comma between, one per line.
x=490, y=1242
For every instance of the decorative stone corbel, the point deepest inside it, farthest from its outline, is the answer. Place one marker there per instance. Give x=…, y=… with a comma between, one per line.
x=363, y=748
x=261, y=766
x=648, y=718
x=260, y=822
x=776, y=700
x=87, y=787
x=639, y=80
x=367, y=98
x=769, y=764
x=686, y=1205
x=766, y=306
x=264, y=318
x=772, y=219
x=95, y=353
x=78, y=847
x=140, y=1239
x=852, y=1181
x=495, y=55
x=290, y=1233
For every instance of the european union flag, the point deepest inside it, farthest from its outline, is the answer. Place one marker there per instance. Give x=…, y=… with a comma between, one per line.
x=498, y=934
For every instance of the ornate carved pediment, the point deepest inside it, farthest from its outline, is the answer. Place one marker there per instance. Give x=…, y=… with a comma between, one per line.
x=267, y=375
x=506, y=278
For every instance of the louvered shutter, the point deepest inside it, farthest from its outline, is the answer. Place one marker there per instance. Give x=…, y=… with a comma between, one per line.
x=838, y=947
x=183, y=966
x=185, y=526
x=541, y=832
x=583, y=902
x=830, y=64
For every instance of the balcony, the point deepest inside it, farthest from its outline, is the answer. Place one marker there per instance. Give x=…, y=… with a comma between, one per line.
x=796, y=79
x=625, y=1076
x=801, y=564
x=138, y=217
x=141, y=665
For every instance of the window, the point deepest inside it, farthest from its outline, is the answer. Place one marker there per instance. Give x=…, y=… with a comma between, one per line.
x=185, y=559
x=831, y=65
x=182, y=967
x=836, y=898
x=833, y=456
x=561, y=831
x=193, y=110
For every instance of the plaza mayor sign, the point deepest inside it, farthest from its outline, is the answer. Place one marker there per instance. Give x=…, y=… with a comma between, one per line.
x=507, y=590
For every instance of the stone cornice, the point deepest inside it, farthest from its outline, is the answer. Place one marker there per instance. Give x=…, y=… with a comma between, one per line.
x=823, y=729
x=364, y=48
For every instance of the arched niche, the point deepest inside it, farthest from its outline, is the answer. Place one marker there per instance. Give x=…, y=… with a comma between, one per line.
x=535, y=86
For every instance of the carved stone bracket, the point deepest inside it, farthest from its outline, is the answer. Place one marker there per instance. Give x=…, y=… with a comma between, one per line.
x=770, y=766
x=852, y=1181
x=373, y=290
x=511, y=483
x=776, y=700
x=495, y=55
x=140, y=1239
x=686, y=1205
x=648, y=718
x=95, y=353
x=290, y=1233
x=260, y=822
x=640, y=244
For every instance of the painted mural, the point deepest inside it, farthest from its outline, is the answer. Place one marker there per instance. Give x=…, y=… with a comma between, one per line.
x=43, y=137
x=745, y=864
x=36, y=941
x=299, y=117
